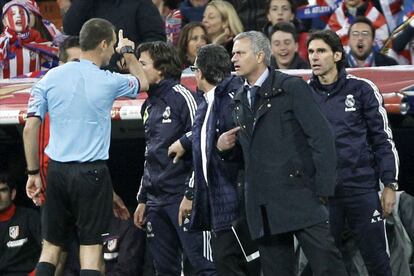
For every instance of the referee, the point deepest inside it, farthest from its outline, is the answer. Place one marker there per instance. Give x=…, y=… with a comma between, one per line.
x=79, y=98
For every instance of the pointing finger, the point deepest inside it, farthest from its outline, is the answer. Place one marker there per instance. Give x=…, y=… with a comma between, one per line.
x=176, y=159
x=233, y=130
x=120, y=34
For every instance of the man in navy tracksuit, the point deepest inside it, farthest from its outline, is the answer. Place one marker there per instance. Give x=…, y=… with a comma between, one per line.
x=168, y=114
x=365, y=149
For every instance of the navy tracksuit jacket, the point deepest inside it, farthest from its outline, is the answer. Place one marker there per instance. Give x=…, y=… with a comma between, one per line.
x=168, y=114
x=364, y=144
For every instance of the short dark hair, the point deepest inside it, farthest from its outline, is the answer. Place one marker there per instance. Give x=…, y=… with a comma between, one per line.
x=291, y=2
x=164, y=56
x=285, y=27
x=333, y=41
x=93, y=32
x=183, y=40
x=363, y=19
x=214, y=63
x=5, y=178
x=69, y=42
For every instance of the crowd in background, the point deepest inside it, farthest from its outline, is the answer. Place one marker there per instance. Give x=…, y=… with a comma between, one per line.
x=374, y=33
x=383, y=37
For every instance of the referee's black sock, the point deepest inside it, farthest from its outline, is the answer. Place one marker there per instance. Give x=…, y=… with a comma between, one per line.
x=45, y=269
x=90, y=272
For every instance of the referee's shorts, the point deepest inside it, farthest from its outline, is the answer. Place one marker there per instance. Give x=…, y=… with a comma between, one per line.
x=79, y=199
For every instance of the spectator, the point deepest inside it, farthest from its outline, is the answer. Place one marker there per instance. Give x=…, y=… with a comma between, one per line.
x=284, y=41
x=20, y=228
x=346, y=13
x=365, y=148
x=46, y=28
x=168, y=114
x=289, y=161
x=139, y=19
x=402, y=42
x=78, y=174
x=279, y=11
x=361, y=43
x=19, y=44
x=192, y=37
x=193, y=10
x=172, y=18
x=222, y=23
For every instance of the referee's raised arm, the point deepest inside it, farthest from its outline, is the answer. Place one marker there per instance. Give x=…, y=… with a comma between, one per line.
x=126, y=49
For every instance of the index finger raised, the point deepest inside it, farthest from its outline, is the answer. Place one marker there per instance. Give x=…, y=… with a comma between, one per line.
x=233, y=130
x=120, y=34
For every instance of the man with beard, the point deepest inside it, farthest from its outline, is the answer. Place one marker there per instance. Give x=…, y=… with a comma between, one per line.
x=361, y=42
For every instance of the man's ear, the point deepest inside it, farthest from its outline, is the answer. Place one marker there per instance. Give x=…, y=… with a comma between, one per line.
x=260, y=57
x=103, y=45
x=337, y=56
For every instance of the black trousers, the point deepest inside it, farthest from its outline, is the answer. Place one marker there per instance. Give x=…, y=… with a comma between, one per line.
x=229, y=258
x=277, y=252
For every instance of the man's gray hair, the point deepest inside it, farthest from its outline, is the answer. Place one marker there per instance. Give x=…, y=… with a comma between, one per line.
x=259, y=43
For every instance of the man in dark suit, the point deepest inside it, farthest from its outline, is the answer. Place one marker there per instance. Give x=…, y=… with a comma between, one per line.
x=289, y=161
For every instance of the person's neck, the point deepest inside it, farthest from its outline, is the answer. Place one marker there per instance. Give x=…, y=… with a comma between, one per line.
x=190, y=59
x=282, y=66
x=360, y=62
x=329, y=78
x=207, y=87
x=213, y=37
x=252, y=78
x=91, y=56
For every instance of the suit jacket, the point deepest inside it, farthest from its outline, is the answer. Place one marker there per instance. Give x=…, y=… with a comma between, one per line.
x=289, y=156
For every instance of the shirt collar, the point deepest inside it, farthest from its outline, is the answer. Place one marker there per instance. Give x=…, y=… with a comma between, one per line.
x=8, y=213
x=87, y=61
x=209, y=96
x=260, y=80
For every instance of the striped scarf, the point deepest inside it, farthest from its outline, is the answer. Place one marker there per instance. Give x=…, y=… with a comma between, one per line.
x=352, y=61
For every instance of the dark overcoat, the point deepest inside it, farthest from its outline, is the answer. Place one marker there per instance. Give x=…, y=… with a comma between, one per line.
x=289, y=156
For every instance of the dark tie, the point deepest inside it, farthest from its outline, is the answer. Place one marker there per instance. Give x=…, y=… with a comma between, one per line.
x=253, y=92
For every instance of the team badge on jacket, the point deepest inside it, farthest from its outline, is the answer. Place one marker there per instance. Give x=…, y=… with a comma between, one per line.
x=166, y=115
x=350, y=103
x=14, y=232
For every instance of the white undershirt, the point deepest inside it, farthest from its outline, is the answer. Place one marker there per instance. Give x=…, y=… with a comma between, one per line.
x=210, y=99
